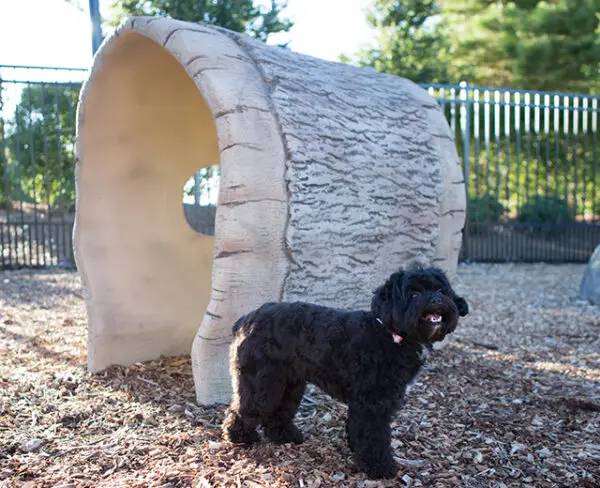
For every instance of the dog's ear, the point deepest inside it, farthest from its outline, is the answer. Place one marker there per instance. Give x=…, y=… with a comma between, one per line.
x=387, y=302
x=461, y=305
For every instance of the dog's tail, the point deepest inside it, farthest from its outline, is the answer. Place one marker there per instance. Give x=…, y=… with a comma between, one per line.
x=249, y=320
x=242, y=321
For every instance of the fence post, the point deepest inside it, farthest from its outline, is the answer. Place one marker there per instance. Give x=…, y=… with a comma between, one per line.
x=465, y=129
x=96, y=25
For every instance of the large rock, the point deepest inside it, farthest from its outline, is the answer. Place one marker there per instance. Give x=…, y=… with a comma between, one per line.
x=332, y=176
x=590, y=284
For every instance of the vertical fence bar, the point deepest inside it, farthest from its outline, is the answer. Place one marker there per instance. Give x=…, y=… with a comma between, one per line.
x=21, y=245
x=507, y=141
x=594, y=117
x=466, y=140
x=442, y=100
x=566, y=125
x=453, y=110
x=2, y=245
x=557, y=146
x=487, y=138
x=566, y=152
x=546, y=160
x=585, y=159
x=576, y=144
x=528, y=143
x=497, y=140
x=518, y=240
x=59, y=231
x=33, y=173
x=476, y=129
x=538, y=201
x=465, y=113
x=546, y=157
x=476, y=169
x=4, y=163
x=524, y=240
x=46, y=182
x=517, y=149
x=536, y=131
x=72, y=162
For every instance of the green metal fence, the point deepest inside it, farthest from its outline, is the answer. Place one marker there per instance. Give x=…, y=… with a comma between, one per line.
x=530, y=161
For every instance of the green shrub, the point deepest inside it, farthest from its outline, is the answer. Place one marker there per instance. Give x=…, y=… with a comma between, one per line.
x=549, y=209
x=484, y=209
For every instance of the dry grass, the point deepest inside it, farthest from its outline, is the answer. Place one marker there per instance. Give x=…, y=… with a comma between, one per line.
x=512, y=400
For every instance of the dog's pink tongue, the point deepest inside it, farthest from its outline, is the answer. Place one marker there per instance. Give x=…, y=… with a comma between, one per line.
x=433, y=317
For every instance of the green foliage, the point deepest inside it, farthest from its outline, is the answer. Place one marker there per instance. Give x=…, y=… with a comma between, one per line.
x=484, y=208
x=40, y=146
x=529, y=44
x=548, y=209
x=412, y=41
x=236, y=15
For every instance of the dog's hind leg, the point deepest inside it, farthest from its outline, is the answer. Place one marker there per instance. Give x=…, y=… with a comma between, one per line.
x=240, y=422
x=255, y=397
x=369, y=435
x=279, y=427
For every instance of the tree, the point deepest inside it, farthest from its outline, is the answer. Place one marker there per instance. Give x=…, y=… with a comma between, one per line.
x=530, y=44
x=412, y=41
x=236, y=15
x=40, y=146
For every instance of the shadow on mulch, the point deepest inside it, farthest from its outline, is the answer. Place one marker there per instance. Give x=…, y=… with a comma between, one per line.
x=43, y=288
x=38, y=346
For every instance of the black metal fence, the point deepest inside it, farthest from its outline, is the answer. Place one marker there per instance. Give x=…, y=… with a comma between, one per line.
x=37, y=159
x=530, y=161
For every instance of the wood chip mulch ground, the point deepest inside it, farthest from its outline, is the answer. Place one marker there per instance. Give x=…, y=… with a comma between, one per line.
x=512, y=400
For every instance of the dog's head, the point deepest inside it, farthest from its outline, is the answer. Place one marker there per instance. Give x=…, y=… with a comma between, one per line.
x=419, y=304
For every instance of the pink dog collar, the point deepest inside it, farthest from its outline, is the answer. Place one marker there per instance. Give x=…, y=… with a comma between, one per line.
x=397, y=338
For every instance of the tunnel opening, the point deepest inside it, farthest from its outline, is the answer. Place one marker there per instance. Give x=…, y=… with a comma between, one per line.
x=147, y=129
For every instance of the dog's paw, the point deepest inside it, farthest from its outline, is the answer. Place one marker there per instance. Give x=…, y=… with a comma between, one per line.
x=377, y=471
x=243, y=437
x=235, y=431
x=284, y=434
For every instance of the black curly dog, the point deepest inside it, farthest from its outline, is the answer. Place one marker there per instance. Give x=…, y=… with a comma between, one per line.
x=364, y=359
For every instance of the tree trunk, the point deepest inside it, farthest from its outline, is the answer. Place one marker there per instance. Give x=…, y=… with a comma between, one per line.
x=332, y=177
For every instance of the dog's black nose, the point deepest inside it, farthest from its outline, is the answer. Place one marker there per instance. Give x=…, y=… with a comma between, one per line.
x=435, y=300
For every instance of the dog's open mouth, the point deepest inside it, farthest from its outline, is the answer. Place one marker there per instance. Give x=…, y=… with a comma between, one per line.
x=431, y=325
x=433, y=318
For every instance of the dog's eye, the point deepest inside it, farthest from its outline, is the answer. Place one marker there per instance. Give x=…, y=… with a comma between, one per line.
x=415, y=295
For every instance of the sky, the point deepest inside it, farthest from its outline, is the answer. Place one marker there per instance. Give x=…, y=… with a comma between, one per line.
x=323, y=28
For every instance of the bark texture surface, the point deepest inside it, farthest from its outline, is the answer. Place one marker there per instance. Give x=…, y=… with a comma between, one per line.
x=367, y=157
x=332, y=177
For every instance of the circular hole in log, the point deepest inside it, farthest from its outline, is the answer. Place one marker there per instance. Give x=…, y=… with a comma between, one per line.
x=200, y=195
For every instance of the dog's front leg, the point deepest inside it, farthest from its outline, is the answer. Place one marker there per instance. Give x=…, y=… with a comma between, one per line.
x=369, y=435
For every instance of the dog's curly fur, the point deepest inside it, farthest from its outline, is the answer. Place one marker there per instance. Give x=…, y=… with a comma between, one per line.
x=364, y=359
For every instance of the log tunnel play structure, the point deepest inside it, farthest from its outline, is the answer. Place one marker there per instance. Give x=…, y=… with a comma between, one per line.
x=332, y=176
